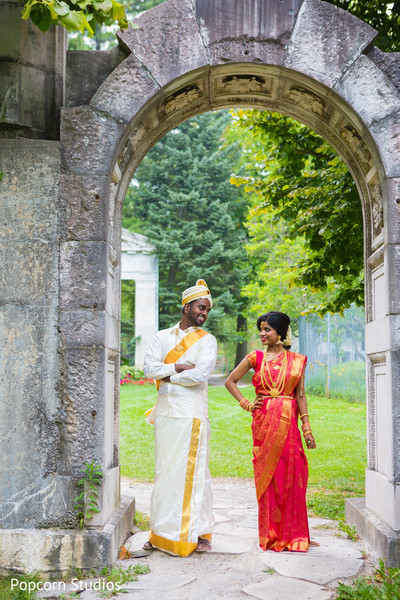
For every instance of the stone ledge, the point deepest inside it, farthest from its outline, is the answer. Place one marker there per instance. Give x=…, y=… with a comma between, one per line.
x=60, y=552
x=384, y=540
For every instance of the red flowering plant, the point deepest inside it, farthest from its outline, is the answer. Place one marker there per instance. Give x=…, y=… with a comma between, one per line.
x=133, y=375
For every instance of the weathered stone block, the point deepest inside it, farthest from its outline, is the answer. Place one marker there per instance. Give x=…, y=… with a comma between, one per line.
x=83, y=271
x=126, y=90
x=56, y=553
x=386, y=134
x=29, y=444
x=82, y=398
x=392, y=260
x=22, y=41
x=382, y=538
x=31, y=86
x=47, y=501
x=395, y=384
x=167, y=41
x=388, y=62
x=10, y=30
x=391, y=208
x=326, y=40
x=87, y=137
x=86, y=71
x=29, y=272
x=85, y=207
x=83, y=327
x=10, y=92
x=246, y=31
x=368, y=91
x=29, y=191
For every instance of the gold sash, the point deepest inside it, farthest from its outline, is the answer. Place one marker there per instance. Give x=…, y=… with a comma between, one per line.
x=173, y=356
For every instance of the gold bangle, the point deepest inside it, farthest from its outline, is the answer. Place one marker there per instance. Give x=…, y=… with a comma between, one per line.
x=307, y=424
x=306, y=432
x=245, y=404
x=305, y=415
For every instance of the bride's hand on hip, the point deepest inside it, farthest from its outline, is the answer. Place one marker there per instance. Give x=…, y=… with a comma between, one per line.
x=258, y=402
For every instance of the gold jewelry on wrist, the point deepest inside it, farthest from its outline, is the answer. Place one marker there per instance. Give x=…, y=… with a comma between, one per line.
x=307, y=432
x=305, y=425
x=305, y=415
x=245, y=404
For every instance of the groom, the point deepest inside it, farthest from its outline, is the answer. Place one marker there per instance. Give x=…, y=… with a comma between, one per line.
x=181, y=360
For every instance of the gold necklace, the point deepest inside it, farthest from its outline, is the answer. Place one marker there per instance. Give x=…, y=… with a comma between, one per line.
x=275, y=389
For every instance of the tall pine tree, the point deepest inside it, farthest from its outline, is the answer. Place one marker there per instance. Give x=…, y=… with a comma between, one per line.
x=182, y=199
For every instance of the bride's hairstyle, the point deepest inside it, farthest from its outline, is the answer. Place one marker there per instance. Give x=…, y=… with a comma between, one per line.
x=278, y=321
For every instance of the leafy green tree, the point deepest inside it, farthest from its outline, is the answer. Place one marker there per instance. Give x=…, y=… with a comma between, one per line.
x=128, y=339
x=273, y=254
x=299, y=179
x=75, y=15
x=104, y=36
x=181, y=198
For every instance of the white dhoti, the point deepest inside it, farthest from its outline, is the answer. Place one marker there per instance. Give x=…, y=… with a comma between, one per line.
x=181, y=502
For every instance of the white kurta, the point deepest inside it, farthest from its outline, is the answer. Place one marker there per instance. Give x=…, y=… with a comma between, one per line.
x=181, y=502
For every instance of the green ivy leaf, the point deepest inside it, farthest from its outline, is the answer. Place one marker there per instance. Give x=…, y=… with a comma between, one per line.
x=104, y=6
x=118, y=11
x=73, y=21
x=76, y=21
x=84, y=3
x=61, y=8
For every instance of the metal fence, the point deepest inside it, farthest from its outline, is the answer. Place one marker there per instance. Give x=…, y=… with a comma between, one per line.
x=335, y=349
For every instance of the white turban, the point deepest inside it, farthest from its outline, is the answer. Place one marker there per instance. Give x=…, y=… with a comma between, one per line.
x=200, y=290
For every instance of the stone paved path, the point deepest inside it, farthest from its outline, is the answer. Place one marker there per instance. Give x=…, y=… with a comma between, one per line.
x=236, y=569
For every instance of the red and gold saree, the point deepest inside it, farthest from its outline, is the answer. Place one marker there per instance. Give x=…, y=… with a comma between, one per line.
x=280, y=464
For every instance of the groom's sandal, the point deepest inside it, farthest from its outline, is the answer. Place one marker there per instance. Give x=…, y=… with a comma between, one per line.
x=148, y=546
x=203, y=545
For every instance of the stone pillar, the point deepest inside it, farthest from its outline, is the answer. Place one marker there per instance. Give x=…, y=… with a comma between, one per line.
x=33, y=489
x=377, y=518
x=139, y=263
x=146, y=313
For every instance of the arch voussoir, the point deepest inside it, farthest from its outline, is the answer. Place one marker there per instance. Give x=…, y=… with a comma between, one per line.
x=167, y=41
x=368, y=91
x=126, y=90
x=87, y=135
x=246, y=31
x=388, y=62
x=326, y=40
x=386, y=134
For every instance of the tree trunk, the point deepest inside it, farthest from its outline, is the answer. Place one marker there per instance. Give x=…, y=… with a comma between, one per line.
x=241, y=346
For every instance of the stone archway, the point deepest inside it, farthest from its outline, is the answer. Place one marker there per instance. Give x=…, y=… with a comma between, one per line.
x=187, y=57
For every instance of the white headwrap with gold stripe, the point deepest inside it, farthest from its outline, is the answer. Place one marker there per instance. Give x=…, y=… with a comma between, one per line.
x=200, y=290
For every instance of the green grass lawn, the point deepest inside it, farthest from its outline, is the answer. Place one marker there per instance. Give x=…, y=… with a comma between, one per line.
x=336, y=467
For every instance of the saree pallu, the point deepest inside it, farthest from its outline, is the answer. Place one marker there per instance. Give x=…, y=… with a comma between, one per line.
x=280, y=465
x=181, y=501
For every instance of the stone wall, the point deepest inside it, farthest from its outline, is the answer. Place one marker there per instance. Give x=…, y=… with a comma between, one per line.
x=33, y=488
